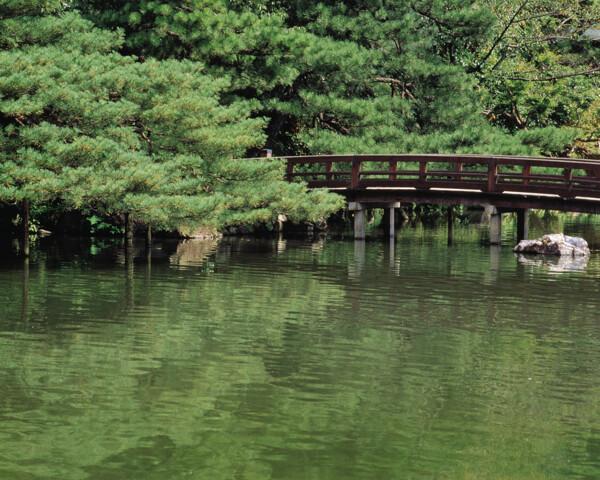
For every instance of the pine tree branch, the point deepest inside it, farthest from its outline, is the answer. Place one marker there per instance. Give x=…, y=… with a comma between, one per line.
x=501, y=36
x=557, y=77
x=256, y=52
x=438, y=23
x=393, y=81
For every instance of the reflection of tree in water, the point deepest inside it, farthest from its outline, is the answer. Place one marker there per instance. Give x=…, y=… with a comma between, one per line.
x=25, y=291
x=287, y=363
x=145, y=460
x=193, y=252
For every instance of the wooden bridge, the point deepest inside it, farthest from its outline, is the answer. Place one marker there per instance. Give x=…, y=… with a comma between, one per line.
x=500, y=183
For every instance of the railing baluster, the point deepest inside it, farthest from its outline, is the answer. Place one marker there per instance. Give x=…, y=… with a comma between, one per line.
x=355, y=171
x=393, y=169
x=559, y=176
x=568, y=174
x=458, y=167
x=422, y=173
x=492, y=174
x=526, y=173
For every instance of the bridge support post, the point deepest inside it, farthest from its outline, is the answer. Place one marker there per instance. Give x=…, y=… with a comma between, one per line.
x=393, y=206
x=360, y=219
x=522, y=224
x=495, y=224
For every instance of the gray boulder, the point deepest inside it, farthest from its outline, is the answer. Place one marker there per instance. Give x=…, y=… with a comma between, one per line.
x=555, y=244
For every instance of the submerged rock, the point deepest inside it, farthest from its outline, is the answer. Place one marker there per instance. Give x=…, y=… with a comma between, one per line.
x=555, y=244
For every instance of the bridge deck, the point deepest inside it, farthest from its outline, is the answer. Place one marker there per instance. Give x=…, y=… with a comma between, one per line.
x=503, y=181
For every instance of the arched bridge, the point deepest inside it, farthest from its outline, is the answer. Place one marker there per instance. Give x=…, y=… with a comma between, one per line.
x=500, y=183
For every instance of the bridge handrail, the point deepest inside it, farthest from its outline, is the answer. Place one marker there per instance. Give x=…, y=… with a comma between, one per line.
x=574, y=163
x=494, y=178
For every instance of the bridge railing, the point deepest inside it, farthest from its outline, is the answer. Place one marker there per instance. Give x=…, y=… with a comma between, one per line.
x=565, y=177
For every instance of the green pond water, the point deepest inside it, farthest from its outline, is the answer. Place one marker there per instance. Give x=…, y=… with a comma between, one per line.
x=301, y=359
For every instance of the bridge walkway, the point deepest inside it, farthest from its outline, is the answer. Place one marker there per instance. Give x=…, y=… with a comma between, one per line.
x=500, y=183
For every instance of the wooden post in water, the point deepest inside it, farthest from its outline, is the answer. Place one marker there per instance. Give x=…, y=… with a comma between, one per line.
x=450, y=223
x=522, y=224
x=360, y=224
x=392, y=211
x=360, y=217
x=495, y=225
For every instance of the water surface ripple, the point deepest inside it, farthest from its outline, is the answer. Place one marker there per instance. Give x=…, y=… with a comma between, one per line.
x=299, y=359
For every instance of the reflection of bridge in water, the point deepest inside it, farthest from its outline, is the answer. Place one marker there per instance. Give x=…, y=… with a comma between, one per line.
x=499, y=183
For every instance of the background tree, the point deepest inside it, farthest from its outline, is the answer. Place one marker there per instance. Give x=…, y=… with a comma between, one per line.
x=539, y=68
x=332, y=76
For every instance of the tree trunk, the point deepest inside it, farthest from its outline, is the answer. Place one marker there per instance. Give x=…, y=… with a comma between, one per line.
x=25, y=232
x=129, y=229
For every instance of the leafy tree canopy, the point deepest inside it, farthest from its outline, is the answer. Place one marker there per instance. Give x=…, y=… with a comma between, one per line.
x=539, y=67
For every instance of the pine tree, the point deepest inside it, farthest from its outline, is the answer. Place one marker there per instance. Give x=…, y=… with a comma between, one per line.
x=332, y=77
x=102, y=132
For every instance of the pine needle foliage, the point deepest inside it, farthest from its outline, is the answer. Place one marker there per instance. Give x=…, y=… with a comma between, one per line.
x=101, y=132
x=334, y=77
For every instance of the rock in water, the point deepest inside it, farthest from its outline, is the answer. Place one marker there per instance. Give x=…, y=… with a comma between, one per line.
x=555, y=244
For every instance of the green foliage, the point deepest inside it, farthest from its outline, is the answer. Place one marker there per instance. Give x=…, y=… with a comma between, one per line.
x=98, y=226
x=99, y=131
x=331, y=77
x=539, y=68
x=141, y=107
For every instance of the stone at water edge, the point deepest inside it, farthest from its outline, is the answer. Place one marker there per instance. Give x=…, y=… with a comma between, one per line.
x=555, y=244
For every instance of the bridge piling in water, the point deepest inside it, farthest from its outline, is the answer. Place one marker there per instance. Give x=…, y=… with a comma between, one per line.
x=360, y=219
x=502, y=183
x=496, y=223
x=522, y=224
x=392, y=222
